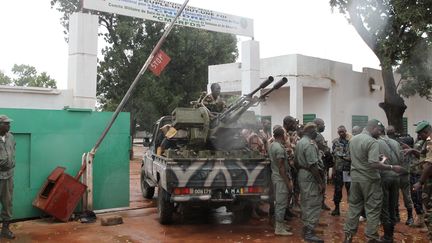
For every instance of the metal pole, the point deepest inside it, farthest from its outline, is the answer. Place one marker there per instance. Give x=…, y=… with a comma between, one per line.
x=135, y=82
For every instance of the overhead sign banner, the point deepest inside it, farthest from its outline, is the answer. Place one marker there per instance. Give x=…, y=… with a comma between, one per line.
x=159, y=62
x=164, y=11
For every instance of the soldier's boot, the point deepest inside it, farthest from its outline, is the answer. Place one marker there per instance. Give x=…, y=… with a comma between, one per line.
x=280, y=229
x=6, y=232
x=348, y=238
x=310, y=236
x=410, y=219
x=419, y=223
x=388, y=233
x=336, y=211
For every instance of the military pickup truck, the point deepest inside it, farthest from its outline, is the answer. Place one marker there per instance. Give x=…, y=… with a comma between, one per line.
x=210, y=165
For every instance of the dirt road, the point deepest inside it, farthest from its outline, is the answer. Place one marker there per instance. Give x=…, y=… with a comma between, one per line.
x=141, y=225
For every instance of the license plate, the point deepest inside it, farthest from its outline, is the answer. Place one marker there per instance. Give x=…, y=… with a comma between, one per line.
x=232, y=191
x=201, y=191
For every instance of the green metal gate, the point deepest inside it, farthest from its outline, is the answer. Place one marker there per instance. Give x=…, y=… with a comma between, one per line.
x=50, y=138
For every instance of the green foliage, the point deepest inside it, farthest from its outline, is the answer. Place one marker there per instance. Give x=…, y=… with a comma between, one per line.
x=4, y=79
x=130, y=41
x=399, y=33
x=27, y=76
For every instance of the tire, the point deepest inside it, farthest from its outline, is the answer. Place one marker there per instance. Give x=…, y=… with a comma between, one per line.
x=165, y=207
x=146, y=189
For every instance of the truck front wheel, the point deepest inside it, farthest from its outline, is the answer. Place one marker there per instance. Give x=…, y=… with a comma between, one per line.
x=165, y=207
x=146, y=189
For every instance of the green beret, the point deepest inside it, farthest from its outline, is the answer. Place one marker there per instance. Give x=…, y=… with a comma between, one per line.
x=421, y=125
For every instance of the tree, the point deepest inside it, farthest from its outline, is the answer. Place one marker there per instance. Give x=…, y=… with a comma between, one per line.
x=396, y=31
x=4, y=79
x=130, y=41
x=27, y=76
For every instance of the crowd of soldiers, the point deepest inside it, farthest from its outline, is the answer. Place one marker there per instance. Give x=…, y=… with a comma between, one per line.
x=373, y=164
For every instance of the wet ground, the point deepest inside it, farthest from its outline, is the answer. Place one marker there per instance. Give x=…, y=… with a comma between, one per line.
x=141, y=225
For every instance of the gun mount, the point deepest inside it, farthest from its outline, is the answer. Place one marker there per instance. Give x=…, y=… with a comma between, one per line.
x=221, y=131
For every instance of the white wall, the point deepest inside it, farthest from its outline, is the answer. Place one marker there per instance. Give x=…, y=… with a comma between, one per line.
x=34, y=98
x=277, y=106
x=332, y=91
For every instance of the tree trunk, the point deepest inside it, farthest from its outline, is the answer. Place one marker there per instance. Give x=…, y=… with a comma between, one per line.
x=393, y=105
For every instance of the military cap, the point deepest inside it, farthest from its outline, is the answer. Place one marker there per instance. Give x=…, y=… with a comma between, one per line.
x=310, y=126
x=375, y=122
x=421, y=125
x=4, y=118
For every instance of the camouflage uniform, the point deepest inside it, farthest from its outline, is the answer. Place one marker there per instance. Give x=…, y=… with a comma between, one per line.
x=214, y=105
x=415, y=172
x=427, y=189
x=7, y=165
x=365, y=191
x=293, y=139
x=342, y=164
x=307, y=155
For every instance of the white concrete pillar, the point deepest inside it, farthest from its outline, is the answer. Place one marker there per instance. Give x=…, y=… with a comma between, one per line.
x=250, y=69
x=82, y=66
x=296, y=99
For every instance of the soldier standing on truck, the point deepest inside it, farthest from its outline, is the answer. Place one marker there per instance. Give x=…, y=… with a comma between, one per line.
x=282, y=183
x=310, y=181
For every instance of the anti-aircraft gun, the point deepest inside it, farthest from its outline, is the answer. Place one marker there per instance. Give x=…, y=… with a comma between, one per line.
x=221, y=131
x=210, y=164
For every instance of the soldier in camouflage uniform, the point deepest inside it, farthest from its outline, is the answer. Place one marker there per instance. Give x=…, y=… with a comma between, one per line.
x=365, y=190
x=424, y=131
x=325, y=153
x=290, y=124
x=310, y=181
x=415, y=173
x=7, y=165
x=342, y=166
x=213, y=101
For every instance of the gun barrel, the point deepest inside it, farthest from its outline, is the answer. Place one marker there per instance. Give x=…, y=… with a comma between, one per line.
x=279, y=84
x=264, y=84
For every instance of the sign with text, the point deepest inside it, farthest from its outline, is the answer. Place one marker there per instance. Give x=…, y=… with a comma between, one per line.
x=159, y=62
x=164, y=11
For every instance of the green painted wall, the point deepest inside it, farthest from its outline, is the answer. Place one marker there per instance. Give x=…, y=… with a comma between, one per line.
x=50, y=138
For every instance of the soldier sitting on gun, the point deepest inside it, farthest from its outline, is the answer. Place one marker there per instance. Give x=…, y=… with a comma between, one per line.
x=212, y=101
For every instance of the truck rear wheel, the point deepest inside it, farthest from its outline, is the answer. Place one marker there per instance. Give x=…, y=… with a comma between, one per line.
x=147, y=190
x=165, y=207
